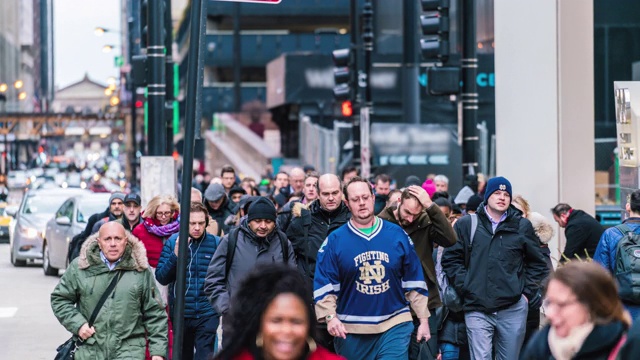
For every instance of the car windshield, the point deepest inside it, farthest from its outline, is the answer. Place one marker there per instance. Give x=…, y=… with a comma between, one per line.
x=90, y=205
x=43, y=204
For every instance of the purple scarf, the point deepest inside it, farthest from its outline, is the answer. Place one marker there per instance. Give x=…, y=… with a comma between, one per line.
x=163, y=230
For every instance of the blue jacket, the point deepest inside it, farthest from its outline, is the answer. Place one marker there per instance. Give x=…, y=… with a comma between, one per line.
x=200, y=253
x=606, y=250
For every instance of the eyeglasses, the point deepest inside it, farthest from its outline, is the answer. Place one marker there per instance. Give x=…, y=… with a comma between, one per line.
x=547, y=304
x=163, y=213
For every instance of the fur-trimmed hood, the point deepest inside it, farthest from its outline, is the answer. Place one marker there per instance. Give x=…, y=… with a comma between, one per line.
x=542, y=226
x=134, y=257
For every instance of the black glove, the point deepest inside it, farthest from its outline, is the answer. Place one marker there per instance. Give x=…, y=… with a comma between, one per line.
x=536, y=301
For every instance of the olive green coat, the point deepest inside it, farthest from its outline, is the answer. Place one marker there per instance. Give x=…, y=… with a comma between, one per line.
x=133, y=308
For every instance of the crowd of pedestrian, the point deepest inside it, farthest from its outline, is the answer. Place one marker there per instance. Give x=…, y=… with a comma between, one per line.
x=321, y=266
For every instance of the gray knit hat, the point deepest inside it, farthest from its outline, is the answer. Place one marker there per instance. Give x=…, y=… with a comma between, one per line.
x=116, y=195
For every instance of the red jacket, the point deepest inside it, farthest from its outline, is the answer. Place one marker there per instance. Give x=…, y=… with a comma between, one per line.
x=320, y=354
x=153, y=243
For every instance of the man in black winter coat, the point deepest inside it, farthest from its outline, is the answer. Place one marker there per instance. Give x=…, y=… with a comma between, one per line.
x=582, y=231
x=319, y=218
x=498, y=276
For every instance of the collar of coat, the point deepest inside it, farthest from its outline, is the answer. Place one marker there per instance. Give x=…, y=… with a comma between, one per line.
x=511, y=223
x=134, y=257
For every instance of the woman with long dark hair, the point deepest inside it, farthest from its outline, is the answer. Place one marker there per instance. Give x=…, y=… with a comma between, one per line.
x=271, y=318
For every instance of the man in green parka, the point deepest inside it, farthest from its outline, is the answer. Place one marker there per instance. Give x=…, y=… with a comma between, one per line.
x=132, y=313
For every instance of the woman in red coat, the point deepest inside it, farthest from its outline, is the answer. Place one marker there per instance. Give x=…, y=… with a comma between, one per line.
x=161, y=219
x=271, y=318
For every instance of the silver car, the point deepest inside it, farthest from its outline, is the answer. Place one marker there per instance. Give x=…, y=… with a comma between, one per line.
x=70, y=220
x=36, y=208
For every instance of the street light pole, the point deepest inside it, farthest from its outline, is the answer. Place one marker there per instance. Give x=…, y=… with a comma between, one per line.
x=366, y=109
x=169, y=99
x=156, y=84
x=195, y=69
x=469, y=64
x=355, y=99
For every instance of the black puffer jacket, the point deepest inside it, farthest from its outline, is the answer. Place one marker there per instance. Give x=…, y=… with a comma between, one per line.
x=597, y=346
x=320, y=223
x=502, y=266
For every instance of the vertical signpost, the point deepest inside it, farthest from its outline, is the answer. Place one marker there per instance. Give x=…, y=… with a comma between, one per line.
x=366, y=110
x=195, y=68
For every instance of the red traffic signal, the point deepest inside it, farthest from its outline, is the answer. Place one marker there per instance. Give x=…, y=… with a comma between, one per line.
x=347, y=108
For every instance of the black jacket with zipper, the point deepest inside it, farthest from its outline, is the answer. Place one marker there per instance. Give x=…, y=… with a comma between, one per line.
x=503, y=265
x=319, y=223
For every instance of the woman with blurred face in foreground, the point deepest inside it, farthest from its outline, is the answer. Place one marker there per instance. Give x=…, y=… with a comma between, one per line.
x=586, y=317
x=271, y=318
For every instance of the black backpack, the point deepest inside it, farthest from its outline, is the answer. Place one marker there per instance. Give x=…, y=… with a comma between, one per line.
x=233, y=242
x=627, y=265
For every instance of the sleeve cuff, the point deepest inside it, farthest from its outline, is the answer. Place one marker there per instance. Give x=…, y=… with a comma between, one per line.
x=419, y=304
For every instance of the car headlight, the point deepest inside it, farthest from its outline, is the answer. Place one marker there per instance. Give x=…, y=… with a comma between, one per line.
x=29, y=232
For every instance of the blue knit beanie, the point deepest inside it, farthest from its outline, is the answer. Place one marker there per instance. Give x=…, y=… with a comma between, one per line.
x=495, y=184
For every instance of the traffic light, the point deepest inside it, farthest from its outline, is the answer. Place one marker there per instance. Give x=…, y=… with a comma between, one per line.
x=435, y=28
x=139, y=70
x=343, y=74
x=346, y=108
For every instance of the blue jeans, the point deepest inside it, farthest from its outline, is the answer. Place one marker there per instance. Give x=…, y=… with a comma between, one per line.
x=449, y=351
x=392, y=344
x=199, y=335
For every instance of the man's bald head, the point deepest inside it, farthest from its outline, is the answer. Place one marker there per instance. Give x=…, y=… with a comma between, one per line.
x=329, y=192
x=112, y=240
x=296, y=179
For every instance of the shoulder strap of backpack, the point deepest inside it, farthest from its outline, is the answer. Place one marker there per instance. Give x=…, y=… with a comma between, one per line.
x=623, y=228
x=231, y=249
x=285, y=247
x=613, y=355
x=474, y=227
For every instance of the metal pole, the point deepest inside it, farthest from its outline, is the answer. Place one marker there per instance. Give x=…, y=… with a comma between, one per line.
x=134, y=158
x=411, y=66
x=237, y=60
x=156, y=84
x=134, y=49
x=366, y=110
x=469, y=63
x=354, y=81
x=169, y=98
x=195, y=67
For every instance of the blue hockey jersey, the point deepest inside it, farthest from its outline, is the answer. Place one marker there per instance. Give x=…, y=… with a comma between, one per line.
x=370, y=275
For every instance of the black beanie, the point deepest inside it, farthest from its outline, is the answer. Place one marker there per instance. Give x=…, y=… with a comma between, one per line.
x=262, y=208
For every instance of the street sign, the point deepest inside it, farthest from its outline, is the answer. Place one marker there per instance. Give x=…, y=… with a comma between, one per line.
x=255, y=1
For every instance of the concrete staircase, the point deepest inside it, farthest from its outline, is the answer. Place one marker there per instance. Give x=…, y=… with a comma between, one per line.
x=235, y=144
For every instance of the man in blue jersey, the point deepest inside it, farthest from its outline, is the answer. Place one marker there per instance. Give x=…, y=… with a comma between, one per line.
x=367, y=276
